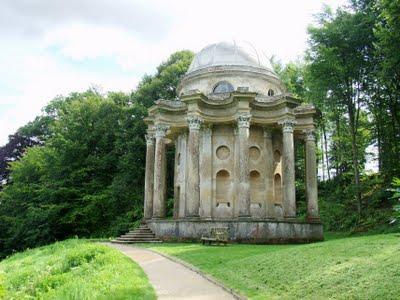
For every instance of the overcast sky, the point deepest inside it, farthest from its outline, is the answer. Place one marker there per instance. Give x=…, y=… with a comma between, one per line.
x=53, y=47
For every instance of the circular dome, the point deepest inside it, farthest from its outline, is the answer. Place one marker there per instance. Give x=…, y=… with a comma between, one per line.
x=230, y=54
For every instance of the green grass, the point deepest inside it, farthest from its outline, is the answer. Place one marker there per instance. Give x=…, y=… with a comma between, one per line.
x=366, y=267
x=73, y=269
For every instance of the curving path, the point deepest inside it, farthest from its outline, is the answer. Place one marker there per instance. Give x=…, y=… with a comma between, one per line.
x=172, y=280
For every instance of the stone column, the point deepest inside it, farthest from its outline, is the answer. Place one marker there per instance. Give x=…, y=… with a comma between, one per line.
x=311, y=176
x=193, y=177
x=288, y=178
x=236, y=171
x=269, y=173
x=244, y=184
x=149, y=177
x=159, y=205
x=176, y=178
x=183, y=175
x=206, y=173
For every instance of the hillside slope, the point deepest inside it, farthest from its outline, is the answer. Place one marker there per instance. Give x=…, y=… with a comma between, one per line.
x=73, y=269
x=366, y=267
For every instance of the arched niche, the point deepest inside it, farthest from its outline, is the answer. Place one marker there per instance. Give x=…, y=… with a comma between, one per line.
x=278, y=188
x=223, y=182
x=256, y=187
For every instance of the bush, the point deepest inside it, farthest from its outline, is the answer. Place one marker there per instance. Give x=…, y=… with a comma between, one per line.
x=395, y=189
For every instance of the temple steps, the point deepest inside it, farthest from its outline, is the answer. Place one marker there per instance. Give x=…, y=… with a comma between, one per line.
x=142, y=234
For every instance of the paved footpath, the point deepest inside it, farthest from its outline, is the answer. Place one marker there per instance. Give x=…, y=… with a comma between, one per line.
x=172, y=280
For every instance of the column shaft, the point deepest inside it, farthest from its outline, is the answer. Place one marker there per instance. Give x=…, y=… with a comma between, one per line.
x=149, y=178
x=244, y=184
x=288, y=176
x=206, y=173
x=176, y=177
x=159, y=205
x=269, y=173
x=193, y=178
x=311, y=177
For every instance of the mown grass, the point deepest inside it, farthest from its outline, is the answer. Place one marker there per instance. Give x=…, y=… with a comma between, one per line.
x=73, y=269
x=366, y=267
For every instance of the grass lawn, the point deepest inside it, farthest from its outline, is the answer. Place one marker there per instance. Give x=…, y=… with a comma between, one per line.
x=73, y=269
x=366, y=267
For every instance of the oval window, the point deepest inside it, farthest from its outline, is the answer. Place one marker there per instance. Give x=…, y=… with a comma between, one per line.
x=223, y=87
x=271, y=92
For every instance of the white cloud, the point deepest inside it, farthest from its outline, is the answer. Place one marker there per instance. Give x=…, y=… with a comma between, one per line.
x=55, y=47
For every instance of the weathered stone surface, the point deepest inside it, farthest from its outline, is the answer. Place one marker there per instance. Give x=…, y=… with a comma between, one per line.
x=288, y=180
x=311, y=177
x=228, y=171
x=244, y=185
x=193, y=178
x=249, y=231
x=149, y=177
x=159, y=194
x=269, y=173
x=206, y=173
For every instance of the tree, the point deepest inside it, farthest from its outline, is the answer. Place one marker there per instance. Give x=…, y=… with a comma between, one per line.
x=339, y=60
x=87, y=178
x=12, y=151
x=385, y=87
x=164, y=83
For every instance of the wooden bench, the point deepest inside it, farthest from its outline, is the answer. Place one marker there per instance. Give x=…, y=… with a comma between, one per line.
x=218, y=235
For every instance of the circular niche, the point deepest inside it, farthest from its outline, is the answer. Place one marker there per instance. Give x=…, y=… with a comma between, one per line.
x=254, y=152
x=223, y=152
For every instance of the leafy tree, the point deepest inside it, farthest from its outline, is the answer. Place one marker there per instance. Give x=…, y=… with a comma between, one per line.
x=164, y=83
x=87, y=178
x=85, y=181
x=13, y=151
x=339, y=62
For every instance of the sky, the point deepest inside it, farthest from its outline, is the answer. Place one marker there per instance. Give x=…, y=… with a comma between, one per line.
x=54, y=47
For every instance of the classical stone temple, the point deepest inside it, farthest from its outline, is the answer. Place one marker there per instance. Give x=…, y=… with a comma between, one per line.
x=234, y=129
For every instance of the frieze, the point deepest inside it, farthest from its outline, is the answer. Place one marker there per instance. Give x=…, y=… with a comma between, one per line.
x=171, y=103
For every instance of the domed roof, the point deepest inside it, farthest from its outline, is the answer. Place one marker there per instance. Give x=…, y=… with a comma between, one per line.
x=230, y=54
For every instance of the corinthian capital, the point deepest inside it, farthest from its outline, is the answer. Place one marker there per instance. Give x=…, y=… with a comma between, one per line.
x=194, y=122
x=161, y=130
x=243, y=121
x=287, y=125
x=149, y=139
x=309, y=134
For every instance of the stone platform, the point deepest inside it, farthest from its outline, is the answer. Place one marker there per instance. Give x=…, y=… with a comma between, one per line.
x=240, y=231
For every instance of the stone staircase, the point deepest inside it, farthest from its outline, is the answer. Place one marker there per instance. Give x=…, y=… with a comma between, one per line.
x=142, y=234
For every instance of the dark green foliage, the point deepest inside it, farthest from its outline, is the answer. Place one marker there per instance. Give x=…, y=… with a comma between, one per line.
x=163, y=85
x=88, y=177
x=395, y=189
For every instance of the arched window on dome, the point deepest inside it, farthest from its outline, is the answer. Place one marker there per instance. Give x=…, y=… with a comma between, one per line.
x=223, y=87
x=271, y=92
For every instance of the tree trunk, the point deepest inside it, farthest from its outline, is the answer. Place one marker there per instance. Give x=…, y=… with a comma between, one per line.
x=353, y=132
x=338, y=157
x=323, y=164
x=326, y=151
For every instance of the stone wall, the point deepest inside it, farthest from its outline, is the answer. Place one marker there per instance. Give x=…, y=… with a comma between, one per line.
x=250, y=231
